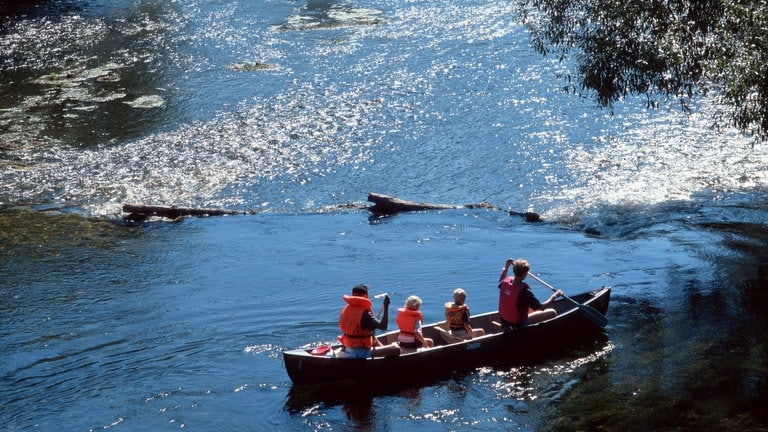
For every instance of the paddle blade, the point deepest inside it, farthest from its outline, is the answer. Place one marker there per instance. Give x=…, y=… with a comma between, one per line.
x=593, y=315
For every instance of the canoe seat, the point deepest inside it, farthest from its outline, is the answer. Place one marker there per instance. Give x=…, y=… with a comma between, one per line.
x=391, y=350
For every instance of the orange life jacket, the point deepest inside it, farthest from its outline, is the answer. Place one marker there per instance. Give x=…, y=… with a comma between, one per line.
x=353, y=334
x=454, y=314
x=406, y=320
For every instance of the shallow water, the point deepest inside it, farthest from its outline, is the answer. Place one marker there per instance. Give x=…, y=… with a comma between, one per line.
x=295, y=109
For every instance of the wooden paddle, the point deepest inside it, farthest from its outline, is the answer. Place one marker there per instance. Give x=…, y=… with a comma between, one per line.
x=590, y=312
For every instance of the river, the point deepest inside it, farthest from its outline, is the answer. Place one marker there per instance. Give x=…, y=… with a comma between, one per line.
x=292, y=112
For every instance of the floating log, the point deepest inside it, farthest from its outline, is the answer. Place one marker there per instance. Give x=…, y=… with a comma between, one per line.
x=528, y=216
x=138, y=213
x=383, y=205
x=387, y=205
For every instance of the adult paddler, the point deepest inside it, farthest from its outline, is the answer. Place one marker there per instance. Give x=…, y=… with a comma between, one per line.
x=358, y=323
x=518, y=307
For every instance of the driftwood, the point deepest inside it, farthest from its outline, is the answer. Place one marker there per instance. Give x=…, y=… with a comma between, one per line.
x=141, y=212
x=383, y=205
x=387, y=205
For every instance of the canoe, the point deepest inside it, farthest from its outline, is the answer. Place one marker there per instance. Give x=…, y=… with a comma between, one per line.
x=447, y=356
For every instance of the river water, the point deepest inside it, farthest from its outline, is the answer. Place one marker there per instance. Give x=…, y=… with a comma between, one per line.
x=292, y=112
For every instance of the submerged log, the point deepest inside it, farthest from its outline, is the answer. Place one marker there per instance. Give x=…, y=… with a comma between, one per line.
x=138, y=213
x=387, y=205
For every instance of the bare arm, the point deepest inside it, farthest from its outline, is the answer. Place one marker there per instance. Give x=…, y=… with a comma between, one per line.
x=504, y=271
x=469, y=330
x=420, y=337
x=552, y=298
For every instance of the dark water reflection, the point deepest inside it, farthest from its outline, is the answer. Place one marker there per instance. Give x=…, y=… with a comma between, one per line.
x=12, y=11
x=697, y=362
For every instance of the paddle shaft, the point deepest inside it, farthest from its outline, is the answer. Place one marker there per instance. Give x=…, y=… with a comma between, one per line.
x=590, y=312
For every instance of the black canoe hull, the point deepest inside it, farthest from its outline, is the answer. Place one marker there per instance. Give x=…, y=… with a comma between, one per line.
x=493, y=348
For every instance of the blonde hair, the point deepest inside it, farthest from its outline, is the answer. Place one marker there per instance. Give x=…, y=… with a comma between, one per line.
x=412, y=302
x=521, y=267
x=459, y=296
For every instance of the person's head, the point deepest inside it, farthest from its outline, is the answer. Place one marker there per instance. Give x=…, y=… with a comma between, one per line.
x=520, y=268
x=360, y=290
x=413, y=302
x=459, y=296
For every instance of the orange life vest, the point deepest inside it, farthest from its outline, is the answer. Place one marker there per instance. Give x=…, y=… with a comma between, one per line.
x=454, y=314
x=353, y=334
x=406, y=320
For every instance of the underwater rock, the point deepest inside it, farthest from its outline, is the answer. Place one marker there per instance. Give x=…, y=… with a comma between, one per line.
x=248, y=67
x=150, y=101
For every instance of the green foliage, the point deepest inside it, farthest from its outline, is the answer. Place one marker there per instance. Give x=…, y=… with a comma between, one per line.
x=740, y=66
x=661, y=49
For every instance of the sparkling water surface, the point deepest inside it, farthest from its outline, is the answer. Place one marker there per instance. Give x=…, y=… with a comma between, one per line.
x=293, y=110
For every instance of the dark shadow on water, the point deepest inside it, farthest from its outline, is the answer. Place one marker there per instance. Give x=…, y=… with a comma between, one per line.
x=13, y=10
x=692, y=359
